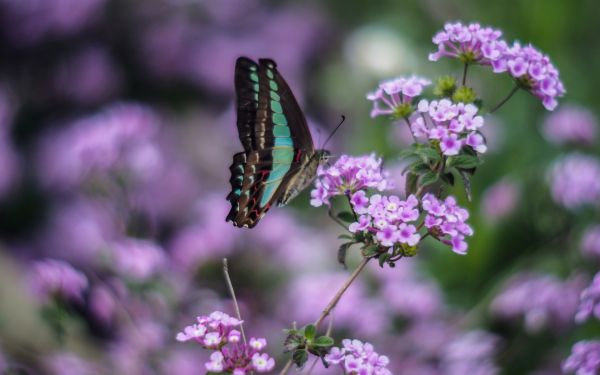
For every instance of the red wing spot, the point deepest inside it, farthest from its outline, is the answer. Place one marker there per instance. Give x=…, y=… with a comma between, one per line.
x=298, y=156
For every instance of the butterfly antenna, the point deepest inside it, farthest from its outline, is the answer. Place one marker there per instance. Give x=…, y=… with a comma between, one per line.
x=333, y=132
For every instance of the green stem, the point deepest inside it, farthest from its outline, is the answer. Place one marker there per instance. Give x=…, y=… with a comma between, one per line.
x=503, y=101
x=464, y=78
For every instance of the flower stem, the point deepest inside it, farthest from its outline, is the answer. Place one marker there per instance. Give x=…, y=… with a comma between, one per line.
x=503, y=101
x=232, y=292
x=331, y=305
x=410, y=130
x=464, y=78
x=334, y=301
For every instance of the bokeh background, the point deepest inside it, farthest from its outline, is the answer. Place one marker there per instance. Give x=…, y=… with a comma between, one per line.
x=117, y=128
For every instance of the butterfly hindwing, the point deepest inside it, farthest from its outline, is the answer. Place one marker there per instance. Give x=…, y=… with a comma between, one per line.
x=273, y=132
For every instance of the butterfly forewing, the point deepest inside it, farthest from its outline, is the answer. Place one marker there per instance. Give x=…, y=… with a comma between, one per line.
x=275, y=137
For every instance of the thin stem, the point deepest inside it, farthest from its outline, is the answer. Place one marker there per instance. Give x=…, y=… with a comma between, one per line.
x=334, y=218
x=351, y=207
x=410, y=129
x=510, y=94
x=334, y=301
x=331, y=305
x=464, y=79
x=232, y=292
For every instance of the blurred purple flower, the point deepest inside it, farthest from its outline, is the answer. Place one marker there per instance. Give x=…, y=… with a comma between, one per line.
x=183, y=362
x=589, y=304
x=584, y=358
x=409, y=294
x=32, y=20
x=205, y=239
x=590, y=242
x=103, y=303
x=358, y=358
x=137, y=259
x=66, y=363
x=472, y=44
x=575, y=180
x=346, y=176
x=394, y=93
x=500, y=200
x=471, y=353
x=305, y=297
x=88, y=77
x=79, y=230
x=542, y=300
x=446, y=221
x=119, y=139
x=571, y=124
x=54, y=278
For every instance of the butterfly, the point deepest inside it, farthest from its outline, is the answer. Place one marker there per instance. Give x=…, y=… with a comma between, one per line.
x=279, y=159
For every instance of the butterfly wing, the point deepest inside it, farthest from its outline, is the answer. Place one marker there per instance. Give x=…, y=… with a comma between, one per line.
x=275, y=136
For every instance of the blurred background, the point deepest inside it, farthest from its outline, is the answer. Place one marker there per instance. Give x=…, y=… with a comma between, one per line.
x=117, y=127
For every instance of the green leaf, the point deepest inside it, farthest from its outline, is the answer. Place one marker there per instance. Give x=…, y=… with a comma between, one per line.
x=299, y=357
x=323, y=341
x=411, y=183
x=342, y=251
x=428, y=178
x=407, y=152
x=429, y=154
x=464, y=161
x=383, y=258
x=370, y=250
x=345, y=237
x=346, y=216
x=419, y=167
x=448, y=178
x=310, y=331
x=466, y=183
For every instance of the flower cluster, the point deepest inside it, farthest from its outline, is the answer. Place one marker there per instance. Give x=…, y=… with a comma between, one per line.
x=55, y=278
x=388, y=218
x=348, y=175
x=534, y=72
x=473, y=44
x=356, y=357
x=542, y=300
x=452, y=125
x=215, y=332
x=575, y=180
x=571, y=124
x=396, y=96
x=589, y=304
x=583, y=359
x=446, y=221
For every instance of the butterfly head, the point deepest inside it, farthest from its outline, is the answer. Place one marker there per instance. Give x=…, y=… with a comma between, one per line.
x=323, y=156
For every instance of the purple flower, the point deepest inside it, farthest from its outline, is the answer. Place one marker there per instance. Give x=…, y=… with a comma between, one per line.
x=446, y=221
x=470, y=353
x=137, y=259
x=575, y=180
x=65, y=363
x=119, y=140
x=571, y=124
x=542, y=300
x=453, y=125
x=388, y=218
x=347, y=176
x=584, y=358
x=394, y=93
x=590, y=242
x=500, y=200
x=55, y=278
x=589, y=304
x=360, y=202
x=533, y=71
x=472, y=44
x=216, y=332
x=358, y=358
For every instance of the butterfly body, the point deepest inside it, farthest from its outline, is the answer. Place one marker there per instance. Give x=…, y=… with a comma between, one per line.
x=279, y=159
